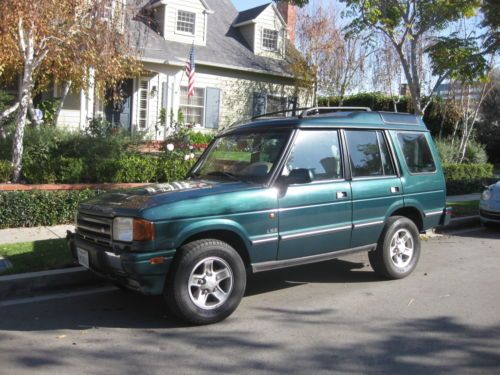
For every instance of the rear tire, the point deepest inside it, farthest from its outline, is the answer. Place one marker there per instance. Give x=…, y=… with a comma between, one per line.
x=398, y=249
x=207, y=282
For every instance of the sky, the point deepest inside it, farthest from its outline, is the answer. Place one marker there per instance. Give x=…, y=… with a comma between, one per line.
x=247, y=4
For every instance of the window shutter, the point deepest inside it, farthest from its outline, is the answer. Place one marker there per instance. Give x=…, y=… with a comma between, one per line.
x=259, y=103
x=292, y=105
x=212, y=107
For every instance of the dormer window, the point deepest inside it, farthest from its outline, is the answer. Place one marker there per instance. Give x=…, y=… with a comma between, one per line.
x=186, y=22
x=270, y=39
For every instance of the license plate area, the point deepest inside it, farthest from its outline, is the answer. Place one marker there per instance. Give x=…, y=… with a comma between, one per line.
x=83, y=257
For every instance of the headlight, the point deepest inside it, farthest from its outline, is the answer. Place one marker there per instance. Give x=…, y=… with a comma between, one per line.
x=123, y=229
x=486, y=195
x=128, y=229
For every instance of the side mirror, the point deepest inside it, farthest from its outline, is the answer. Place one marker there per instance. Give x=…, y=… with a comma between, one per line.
x=299, y=176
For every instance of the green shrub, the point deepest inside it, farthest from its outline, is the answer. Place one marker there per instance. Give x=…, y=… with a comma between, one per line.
x=35, y=208
x=467, y=172
x=197, y=138
x=136, y=168
x=5, y=170
x=467, y=178
x=449, y=153
x=69, y=170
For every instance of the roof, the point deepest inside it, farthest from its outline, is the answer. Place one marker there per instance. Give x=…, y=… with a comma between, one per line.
x=250, y=14
x=225, y=46
x=354, y=119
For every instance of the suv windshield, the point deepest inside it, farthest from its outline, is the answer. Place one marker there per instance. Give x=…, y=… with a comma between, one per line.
x=243, y=156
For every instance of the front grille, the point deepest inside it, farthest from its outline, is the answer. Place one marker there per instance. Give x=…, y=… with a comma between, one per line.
x=490, y=214
x=94, y=229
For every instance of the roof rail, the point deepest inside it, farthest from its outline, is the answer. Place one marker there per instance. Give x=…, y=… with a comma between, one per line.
x=294, y=111
x=324, y=110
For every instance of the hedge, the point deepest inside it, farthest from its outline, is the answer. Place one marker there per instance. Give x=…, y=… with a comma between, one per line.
x=467, y=178
x=36, y=208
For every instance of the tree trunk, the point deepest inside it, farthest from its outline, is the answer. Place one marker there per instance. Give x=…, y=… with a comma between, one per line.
x=17, y=143
x=64, y=95
x=32, y=112
x=26, y=44
x=3, y=116
x=407, y=69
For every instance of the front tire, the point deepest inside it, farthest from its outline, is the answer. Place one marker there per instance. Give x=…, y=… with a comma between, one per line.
x=398, y=249
x=207, y=282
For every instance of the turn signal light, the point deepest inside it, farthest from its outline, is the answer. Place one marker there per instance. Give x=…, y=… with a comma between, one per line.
x=157, y=260
x=143, y=230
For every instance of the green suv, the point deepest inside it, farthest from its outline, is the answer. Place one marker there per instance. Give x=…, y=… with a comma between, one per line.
x=269, y=194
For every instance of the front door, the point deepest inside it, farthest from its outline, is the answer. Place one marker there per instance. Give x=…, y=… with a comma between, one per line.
x=315, y=217
x=376, y=187
x=118, y=108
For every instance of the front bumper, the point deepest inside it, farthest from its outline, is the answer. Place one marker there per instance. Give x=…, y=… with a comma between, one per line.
x=132, y=270
x=489, y=216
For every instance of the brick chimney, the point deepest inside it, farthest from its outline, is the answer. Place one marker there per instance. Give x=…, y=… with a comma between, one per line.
x=289, y=14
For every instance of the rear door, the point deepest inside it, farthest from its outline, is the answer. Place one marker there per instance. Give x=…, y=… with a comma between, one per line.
x=315, y=217
x=376, y=186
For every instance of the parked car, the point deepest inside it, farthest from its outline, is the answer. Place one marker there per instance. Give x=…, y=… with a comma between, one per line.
x=489, y=205
x=269, y=194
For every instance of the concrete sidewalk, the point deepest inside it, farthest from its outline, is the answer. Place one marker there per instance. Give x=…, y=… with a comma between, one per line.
x=463, y=198
x=15, y=235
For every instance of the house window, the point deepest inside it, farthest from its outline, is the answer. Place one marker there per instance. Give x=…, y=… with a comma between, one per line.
x=276, y=104
x=143, y=103
x=270, y=39
x=194, y=107
x=186, y=21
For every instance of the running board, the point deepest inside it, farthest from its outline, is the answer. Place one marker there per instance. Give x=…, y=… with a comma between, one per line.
x=276, y=264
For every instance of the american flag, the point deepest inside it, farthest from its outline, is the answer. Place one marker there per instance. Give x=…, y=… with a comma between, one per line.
x=190, y=72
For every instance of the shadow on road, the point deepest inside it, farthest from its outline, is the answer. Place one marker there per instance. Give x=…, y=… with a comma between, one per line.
x=122, y=309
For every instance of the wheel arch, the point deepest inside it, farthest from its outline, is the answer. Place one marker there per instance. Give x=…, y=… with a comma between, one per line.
x=412, y=213
x=230, y=236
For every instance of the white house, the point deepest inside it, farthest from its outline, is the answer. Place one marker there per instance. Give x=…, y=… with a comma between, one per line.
x=241, y=67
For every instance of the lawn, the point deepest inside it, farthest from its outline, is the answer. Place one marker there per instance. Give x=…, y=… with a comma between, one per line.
x=36, y=256
x=467, y=208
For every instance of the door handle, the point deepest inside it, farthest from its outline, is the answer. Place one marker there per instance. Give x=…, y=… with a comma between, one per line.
x=394, y=189
x=341, y=194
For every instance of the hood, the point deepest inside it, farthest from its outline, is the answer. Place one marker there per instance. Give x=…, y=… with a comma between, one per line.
x=131, y=201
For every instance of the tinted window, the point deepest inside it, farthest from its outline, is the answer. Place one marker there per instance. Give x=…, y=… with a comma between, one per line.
x=318, y=151
x=369, y=153
x=418, y=156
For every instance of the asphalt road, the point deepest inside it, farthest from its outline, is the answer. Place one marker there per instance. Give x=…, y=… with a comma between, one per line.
x=335, y=317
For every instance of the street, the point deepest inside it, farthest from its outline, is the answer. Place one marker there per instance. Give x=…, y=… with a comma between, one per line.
x=332, y=317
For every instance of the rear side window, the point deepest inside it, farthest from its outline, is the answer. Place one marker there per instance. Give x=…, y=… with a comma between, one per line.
x=369, y=154
x=417, y=153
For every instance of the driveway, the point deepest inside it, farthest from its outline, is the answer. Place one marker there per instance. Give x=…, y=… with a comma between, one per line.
x=334, y=317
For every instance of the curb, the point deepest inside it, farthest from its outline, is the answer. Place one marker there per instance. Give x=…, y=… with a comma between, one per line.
x=34, y=283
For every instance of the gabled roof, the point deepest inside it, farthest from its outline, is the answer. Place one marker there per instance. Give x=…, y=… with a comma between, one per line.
x=250, y=14
x=225, y=46
x=155, y=3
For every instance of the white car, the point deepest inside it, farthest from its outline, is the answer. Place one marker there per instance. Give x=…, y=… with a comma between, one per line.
x=489, y=206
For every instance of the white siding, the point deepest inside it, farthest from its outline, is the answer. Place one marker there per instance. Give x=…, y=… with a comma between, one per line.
x=237, y=90
x=170, y=25
x=269, y=19
x=70, y=114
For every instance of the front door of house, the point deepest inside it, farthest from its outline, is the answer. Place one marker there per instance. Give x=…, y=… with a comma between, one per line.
x=119, y=105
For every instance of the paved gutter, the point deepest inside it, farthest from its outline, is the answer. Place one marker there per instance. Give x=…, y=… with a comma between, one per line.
x=36, y=283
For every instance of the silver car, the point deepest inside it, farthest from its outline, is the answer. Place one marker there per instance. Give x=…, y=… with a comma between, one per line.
x=489, y=206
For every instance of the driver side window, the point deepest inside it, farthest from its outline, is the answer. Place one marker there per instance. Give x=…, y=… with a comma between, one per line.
x=319, y=152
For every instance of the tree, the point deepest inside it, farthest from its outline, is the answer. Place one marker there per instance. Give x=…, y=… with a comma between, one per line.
x=59, y=40
x=336, y=61
x=387, y=72
x=405, y=24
